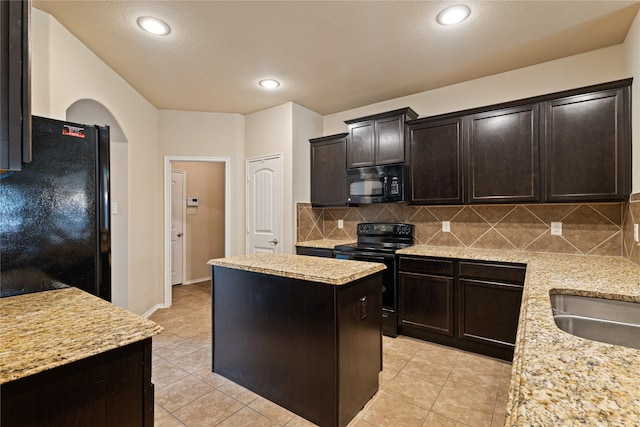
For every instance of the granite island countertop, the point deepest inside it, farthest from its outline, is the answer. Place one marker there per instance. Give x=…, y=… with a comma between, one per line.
x=315, y=269
x=45, y=330
x=558, y=378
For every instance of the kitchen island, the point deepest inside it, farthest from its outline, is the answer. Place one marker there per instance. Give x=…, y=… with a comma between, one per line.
x=70, y=358
x=303, y=332
x=558, y=378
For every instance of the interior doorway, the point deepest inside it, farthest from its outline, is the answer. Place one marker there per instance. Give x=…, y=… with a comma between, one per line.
x=198, y=211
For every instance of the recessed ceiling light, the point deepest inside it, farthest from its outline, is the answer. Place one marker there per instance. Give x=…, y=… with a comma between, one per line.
x=269, y=83
x=154, y=25
x=453, y=15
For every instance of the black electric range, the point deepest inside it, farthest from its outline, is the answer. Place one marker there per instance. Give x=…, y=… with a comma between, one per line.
x=378, y=242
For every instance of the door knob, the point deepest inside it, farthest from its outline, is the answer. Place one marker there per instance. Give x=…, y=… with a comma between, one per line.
x=274, y=241
x=179, y=234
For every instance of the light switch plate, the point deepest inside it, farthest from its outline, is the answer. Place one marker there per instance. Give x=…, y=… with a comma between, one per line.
x=446, y=226
x=340, y=223
x=636, y=232
x=114, y=208
x=556, y=228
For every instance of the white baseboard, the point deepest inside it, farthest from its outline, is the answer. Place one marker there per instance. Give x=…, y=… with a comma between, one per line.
x=153, y=310
x=202, y=279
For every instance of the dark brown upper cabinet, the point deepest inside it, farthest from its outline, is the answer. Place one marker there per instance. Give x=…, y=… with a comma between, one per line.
x=588, y=147
x=328, y=170
x=15, y=85
x=436, y=172
x=503, y=160
x=566, y=146
x=378, y=139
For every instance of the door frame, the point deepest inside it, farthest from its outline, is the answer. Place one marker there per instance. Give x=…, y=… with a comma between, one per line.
x=246, y=193
x=167, y=212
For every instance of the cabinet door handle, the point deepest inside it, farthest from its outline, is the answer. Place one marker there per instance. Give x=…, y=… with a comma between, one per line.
x=274, y=241
x=179, y=234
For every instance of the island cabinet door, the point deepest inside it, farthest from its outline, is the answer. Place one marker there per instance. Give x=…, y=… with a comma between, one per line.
x=359, y=309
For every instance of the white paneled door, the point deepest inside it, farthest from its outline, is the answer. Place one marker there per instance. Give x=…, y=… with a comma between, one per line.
x=178, y=204
x=264, y=205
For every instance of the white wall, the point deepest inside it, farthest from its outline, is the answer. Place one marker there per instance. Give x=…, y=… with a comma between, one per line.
x=184, y=133
x=268, y=132
x=91, y=112
x=65, y=71
x=593, y=67
x=286, y=129
x=307, y=124
x=119, y=224
x=631, y=56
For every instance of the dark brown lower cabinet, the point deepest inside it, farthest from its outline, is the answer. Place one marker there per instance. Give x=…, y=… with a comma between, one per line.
x=470, y=305
x=490, y=297
x=312, y=348
x=426, y=295
x=109, y=389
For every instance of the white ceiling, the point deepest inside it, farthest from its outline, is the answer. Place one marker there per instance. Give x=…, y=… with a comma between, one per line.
x=329, y=56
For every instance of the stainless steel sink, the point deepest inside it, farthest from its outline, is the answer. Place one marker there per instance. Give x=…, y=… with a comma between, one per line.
x=598, y=319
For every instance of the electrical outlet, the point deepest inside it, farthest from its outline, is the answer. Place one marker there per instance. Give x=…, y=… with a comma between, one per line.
x=636, y=232
x=556, y=228
x=446, y=226
x=340, y=223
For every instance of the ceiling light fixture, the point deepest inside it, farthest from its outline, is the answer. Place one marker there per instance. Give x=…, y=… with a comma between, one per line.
x=453, y=15
x=154, y=26
x=269, y=83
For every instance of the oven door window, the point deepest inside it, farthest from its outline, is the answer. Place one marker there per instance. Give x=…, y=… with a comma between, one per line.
x=366, y=187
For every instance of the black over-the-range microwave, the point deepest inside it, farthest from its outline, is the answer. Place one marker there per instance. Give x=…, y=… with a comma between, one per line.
x=376, y=184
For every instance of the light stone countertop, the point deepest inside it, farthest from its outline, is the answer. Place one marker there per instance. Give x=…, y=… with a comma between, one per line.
x=44, y=330
x=315, y=269
x=324, y=243
x=559, y=379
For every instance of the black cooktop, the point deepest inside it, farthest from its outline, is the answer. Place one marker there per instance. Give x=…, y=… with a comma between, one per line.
x=380, y=237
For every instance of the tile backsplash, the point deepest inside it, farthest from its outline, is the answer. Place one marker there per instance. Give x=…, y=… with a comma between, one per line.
x=631, y=249
x=591, y=229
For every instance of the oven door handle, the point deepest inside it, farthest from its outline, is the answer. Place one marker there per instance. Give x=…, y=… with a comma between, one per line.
x=385, y=187
x=366, y=256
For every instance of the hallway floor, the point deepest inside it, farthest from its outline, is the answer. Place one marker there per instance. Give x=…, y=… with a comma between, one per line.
x=422, y=384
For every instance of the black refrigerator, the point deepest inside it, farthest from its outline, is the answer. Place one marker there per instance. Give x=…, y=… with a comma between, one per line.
x=55, y=213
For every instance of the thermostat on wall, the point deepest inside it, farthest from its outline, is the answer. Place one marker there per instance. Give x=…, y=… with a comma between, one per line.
x=192, y=201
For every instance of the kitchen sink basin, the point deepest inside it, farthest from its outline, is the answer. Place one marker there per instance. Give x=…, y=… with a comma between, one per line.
x=598, y=319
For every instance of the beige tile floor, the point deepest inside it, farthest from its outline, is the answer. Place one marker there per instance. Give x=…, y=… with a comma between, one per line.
x=422, y=384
